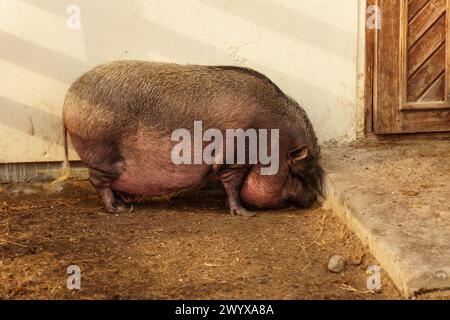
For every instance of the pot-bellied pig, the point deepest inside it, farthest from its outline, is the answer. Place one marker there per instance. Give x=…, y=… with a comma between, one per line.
x=138, y=126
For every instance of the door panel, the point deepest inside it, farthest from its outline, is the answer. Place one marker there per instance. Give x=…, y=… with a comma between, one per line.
x=411, y=71
x=426, y=46
x=426, y=76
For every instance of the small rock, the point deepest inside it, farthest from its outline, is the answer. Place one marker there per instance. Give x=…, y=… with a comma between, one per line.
x=336, y=264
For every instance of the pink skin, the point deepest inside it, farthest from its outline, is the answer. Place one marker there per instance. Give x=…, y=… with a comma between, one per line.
x=286, y=186
x=144, y=167
x=274, y=192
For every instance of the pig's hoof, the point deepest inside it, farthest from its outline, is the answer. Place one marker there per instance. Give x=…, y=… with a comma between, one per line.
x=128, y=208
x=122, y=208
x=241, y=212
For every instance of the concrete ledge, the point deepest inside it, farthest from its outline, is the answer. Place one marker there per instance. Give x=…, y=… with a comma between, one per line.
x=395, y=197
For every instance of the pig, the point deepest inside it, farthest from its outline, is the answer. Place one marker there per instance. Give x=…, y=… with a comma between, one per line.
x=120, y=117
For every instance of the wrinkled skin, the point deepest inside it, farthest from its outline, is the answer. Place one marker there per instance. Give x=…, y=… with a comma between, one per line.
x=120, y=117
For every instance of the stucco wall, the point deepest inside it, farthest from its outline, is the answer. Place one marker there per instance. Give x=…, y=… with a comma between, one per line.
x=308, y=47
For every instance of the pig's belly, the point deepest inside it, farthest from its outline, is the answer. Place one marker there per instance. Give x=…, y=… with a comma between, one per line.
x=156, y=179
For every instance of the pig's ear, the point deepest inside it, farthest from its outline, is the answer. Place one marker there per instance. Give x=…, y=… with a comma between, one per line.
x=299, y=154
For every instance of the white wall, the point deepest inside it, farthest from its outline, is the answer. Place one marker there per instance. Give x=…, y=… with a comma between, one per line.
x=308, y=47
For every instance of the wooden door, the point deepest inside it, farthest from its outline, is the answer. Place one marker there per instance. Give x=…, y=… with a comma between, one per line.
x=411, y=71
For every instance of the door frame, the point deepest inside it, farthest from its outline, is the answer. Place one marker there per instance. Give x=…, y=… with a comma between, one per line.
x=369, y=73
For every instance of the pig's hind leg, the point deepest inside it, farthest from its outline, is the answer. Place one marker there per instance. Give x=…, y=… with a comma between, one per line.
x=101, y=178
x=105, y=165
x=232, y=178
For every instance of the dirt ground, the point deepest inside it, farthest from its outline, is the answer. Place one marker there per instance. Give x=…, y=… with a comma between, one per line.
x=182, y=249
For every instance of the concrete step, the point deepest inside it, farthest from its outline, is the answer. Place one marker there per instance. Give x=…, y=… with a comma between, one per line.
x=396, y=197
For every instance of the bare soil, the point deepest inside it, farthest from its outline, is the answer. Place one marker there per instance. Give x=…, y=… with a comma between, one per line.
x=188, y=248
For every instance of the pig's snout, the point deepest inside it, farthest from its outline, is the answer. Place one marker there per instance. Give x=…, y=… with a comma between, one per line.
x=307, y=199
x=303, y=197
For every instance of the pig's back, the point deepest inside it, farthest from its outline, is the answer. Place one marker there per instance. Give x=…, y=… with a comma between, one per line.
x=116, y=97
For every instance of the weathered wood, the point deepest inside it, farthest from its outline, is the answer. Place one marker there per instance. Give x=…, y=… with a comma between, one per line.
x=426, y=121
x=425, y=19
x=426, y=75
x=415, y=6
x=387, y=68
x=427, y=105
x=436, y=91
x=425, y=46
x=411, y=72
x=369, y=74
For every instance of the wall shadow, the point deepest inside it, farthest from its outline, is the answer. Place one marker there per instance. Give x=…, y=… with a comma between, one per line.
x=39, y=59
x=99, y=27
x=30, y=120
x=287, y=21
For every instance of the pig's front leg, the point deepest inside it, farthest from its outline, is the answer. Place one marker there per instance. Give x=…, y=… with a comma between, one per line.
x=232, y=178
